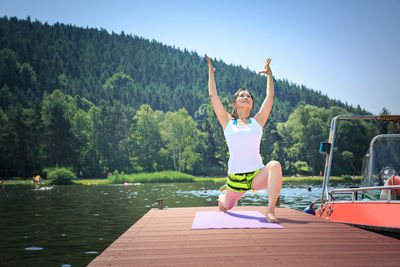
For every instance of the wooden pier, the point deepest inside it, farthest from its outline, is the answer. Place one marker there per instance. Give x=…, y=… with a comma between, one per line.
x=165, y=238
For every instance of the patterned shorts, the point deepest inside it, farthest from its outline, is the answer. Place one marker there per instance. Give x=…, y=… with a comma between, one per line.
x=241, y=182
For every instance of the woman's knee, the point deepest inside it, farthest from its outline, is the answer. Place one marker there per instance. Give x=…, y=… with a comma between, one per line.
x=228, y=205
x=231, y=198
x=273, y=164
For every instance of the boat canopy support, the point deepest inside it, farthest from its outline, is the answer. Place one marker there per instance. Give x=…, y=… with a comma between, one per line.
x=327, y=147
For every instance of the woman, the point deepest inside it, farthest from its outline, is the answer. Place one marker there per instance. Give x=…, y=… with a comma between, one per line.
x=243, y=135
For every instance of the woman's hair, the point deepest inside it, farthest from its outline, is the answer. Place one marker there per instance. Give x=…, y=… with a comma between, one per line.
x=234, y=114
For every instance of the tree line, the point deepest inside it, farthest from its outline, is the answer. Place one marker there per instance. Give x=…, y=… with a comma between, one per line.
x=98, y=102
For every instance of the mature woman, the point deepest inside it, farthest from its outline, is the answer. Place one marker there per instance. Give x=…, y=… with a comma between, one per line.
x=243, y=135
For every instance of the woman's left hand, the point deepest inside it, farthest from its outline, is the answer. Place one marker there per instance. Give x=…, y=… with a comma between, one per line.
x=267, y=70
x=210, y=66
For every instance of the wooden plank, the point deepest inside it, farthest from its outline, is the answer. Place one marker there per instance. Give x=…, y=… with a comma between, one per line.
x=165, y=238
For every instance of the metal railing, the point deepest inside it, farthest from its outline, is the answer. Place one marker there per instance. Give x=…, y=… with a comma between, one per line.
x=353, y=191
x=329, y=155
x=332, y=135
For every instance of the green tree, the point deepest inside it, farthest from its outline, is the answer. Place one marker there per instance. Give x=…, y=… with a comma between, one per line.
x=57, y=115
x=114, y=126
x=18, y=132
x=121, y=87
x=6, y=97
x=181, y=137
x=301, y=135
x=144, y=140
x=313, y=133
x=27, y=77
x=354, y=137
x=216, y=152
x=8, y=68
x=5, y=146
x=98, y=162
x=34, y=138
x=81, y=130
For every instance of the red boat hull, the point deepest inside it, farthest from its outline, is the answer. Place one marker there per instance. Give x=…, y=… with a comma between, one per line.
x=375, y=215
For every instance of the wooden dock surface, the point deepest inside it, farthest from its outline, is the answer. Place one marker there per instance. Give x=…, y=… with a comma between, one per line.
x=165, y=238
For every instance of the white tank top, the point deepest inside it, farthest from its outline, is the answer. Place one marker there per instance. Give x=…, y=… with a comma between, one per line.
x=244, y=146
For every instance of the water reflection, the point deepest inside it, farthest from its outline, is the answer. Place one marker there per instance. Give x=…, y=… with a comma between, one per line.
x=71, y=225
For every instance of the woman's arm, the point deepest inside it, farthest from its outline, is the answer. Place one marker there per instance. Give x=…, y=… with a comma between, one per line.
x=262, y=115
x=222, y=115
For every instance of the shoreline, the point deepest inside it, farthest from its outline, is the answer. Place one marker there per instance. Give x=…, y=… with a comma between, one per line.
x=94, y=181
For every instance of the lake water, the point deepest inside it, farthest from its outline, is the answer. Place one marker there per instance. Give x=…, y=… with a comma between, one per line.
x=71, y=225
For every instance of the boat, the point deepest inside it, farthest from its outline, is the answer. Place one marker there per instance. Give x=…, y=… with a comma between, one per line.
x=375, y=204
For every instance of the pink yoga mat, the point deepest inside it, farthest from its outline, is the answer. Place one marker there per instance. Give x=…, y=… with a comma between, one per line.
x=229, y=219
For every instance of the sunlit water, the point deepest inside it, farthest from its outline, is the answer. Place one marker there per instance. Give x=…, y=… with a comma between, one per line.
x=71, y=225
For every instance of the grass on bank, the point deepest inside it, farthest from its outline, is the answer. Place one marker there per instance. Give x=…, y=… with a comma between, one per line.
x=91, y=181
x=178, y=177
x=18, y=182
x=171, y=177
x=154, y=177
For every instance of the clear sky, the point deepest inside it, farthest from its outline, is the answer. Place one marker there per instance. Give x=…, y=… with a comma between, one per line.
x=347, y=49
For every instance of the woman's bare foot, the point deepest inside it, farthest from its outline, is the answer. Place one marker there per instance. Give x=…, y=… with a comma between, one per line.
x=221, y=200
x=271, y=218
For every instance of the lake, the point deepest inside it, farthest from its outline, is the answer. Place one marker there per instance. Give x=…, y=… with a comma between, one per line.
x=71, y=225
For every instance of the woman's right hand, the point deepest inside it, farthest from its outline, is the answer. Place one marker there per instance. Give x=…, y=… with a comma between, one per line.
x=210, y=66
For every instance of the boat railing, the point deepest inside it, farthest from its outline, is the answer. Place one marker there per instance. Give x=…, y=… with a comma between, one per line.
x=354, y=191
x=331, y=142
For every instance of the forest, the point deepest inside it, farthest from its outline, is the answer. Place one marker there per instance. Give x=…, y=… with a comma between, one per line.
x=97, y=102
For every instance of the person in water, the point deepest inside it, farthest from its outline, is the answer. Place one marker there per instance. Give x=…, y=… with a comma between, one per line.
x=243, y=135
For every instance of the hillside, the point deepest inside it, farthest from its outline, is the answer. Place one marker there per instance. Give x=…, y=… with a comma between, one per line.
x=80, y=61
x=75, y=97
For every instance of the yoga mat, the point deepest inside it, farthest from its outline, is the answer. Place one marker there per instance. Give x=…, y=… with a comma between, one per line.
x=228, y=220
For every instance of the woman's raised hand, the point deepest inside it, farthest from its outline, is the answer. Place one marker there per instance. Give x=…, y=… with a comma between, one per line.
x=210, y=67
x=267, y=70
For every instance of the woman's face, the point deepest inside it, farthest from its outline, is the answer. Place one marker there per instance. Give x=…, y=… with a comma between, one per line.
x=243, y=99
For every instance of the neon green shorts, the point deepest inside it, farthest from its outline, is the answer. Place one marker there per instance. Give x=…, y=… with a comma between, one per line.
x=241, y=182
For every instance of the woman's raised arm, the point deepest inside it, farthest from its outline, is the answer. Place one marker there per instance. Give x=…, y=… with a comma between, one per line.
x=219, y=109
x=262, y=115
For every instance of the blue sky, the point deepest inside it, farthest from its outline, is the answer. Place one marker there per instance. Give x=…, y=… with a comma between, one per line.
x=348, y=50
